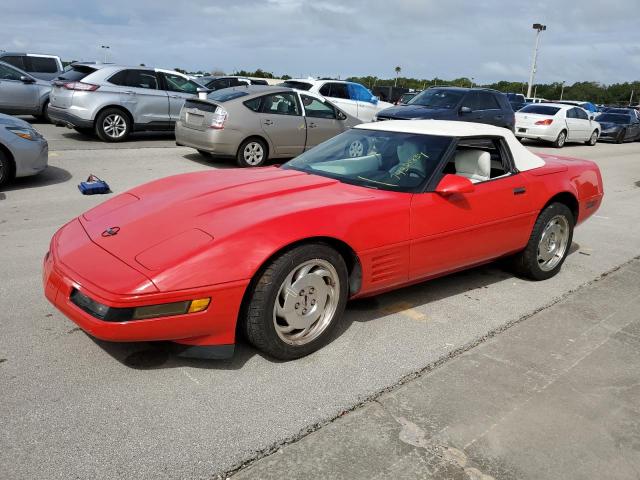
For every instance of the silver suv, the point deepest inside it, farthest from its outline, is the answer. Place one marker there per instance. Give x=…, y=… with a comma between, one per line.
x=115, y=100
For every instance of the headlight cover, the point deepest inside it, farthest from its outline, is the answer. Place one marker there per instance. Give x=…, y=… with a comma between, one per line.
x=23, y=132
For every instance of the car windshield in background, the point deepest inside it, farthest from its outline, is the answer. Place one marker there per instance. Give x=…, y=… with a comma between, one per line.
x=294, y=84
x=225, y=95
x=437, y=98
x=614, y=118
x=540, y=109
x=622, y=111
x=395, y=161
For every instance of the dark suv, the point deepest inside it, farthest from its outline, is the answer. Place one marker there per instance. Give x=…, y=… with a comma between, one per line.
x=480, y=105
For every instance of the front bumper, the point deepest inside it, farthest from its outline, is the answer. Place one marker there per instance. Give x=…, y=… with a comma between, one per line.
x=62, y=116
x=32, y=156
x=214, y=326
x=609, y=135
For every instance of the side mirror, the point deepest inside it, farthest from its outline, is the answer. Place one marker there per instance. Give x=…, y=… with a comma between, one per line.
x=465, y=110
x=340, y=115
x=452, y=184
x=25, y=79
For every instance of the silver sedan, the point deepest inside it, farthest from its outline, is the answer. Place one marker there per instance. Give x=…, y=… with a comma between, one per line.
x=23, y=151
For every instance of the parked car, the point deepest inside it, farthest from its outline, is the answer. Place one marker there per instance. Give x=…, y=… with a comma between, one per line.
x=23, y=94
x=589, y=107
x=277, y=252
x=255, y=123
x=115, y=100
x=43, y=67
x=619, y=127
x=23, y=151
x=516, y=100
x=217, y=83
x=480, y=105
x=557, y=123
x=352, y=98
x=535, y=100
x=624, y=111
x=407, y=97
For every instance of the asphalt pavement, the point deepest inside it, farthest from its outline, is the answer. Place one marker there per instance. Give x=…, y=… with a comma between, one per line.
x=72, y=407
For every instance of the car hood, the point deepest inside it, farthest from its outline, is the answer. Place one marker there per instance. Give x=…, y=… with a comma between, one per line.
x=412, y=112
x=157, y=225
x=9, y=121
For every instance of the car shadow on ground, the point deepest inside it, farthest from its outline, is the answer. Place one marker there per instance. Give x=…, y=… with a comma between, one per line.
x=162, y=355
x=89, y=136
x=210, y=161
x=50, y=176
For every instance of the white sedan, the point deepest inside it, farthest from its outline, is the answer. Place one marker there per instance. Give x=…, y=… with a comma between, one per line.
x=556, y=123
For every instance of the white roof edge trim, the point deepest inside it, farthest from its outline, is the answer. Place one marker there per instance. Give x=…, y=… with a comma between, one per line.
x=524, y=159
x=171, y=71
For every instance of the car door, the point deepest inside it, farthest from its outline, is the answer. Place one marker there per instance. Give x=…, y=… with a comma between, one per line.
x=179, y=88
x=484, y=109
x=457, y=231
x=339, y=95
x=634, y=128
x=365, y=101
x=18, y=91
x=574, y=126
x=141, y=95
x=321, y=119
x=282, y=122
x=584, y=123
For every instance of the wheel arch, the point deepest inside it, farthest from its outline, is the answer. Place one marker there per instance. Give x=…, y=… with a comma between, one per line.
x=5, y=150
x=568, y=199
x=118, y=107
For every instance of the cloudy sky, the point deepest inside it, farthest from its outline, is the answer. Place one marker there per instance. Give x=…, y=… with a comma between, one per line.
x=485, y=39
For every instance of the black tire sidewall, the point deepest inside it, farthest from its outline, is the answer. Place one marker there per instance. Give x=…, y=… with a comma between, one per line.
x=265, y=337
x=240, y=155
x=100, y=120
x=8, y=169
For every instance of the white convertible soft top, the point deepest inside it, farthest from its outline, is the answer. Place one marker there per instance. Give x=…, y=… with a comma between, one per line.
x=523, y=158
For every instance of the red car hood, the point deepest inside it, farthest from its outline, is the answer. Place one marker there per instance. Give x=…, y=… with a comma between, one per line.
x=158, y=224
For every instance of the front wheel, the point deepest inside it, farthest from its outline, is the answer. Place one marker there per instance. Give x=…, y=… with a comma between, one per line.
x=593, y=139
x=6, y=169
x=620, y=136
x=548, y=245
x=560, y=140
x=297, y=301
x=252, y=153
x=113, y=125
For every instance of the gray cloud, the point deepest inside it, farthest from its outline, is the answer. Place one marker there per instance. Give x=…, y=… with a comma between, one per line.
x=485, y=39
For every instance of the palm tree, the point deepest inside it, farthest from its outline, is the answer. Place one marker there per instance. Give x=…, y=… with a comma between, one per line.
x=398, y=70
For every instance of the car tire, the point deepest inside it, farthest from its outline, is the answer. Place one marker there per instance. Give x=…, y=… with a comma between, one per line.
x=307, y=288
x=113, y=125
x=593, y=139
x=252, y=152
x=357, y=148
x=620, y=136
x=548, y=244
x=6, y=169
x=44, y=114
x=561, y=140
x=205, y=154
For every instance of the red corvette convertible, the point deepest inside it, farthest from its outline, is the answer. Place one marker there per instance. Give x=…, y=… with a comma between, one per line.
x=276, y=252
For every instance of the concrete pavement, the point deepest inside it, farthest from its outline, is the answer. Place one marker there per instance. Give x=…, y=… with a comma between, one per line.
x=555, y=396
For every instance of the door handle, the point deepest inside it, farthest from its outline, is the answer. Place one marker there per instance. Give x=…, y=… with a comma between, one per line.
x=268, y=122
x=519, y=190
x=175, y=96
x=312, y=125
x=130, y=92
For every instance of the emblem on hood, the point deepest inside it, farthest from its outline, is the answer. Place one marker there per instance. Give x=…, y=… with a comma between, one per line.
x=111, y=231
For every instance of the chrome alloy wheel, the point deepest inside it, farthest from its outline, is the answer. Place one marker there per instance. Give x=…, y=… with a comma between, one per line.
x=306, y=302
x=562, y=138
x=114, y=125
x=356, y=149
x=253, y=153
x=553, y=243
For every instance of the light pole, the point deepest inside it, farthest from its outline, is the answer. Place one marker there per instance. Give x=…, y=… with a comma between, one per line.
x=538, y=27
x=471, y=82
x=105, y=48
x=562, y=90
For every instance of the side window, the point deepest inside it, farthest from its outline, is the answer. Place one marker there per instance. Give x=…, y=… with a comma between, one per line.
x=280, y=104
x=14, y=60
x=360, y=93
x=135, y=79
x=470, y=100
x=479, y=159
x=571, y=113
x=486, y=101
x=253, y=104
x=581, y=114
x=325, y=90
x=8, y=73
x=218, y=84
x=315, y=108
x=178, y=83
x=339, y=90
x=42, y=65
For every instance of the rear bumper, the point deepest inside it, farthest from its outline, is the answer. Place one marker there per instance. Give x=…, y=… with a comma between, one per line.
x=536, y=133
x=61, y=116
x=224, y=143
x=214, y=326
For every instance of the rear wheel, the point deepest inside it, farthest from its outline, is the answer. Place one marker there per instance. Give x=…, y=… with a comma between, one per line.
x=113, y=125
x=593, y=139
x=6, y=169
x=252, y=153
x=620, y=136
x=297, y=302
x=44, y=114
x=561, y=140
x=548, y=245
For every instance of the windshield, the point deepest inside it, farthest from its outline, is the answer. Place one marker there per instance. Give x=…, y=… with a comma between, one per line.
x=395, y=161
x=438, y=98
x=614, y=118
x=295, y=84
x=226, y=94
x=539, y=109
